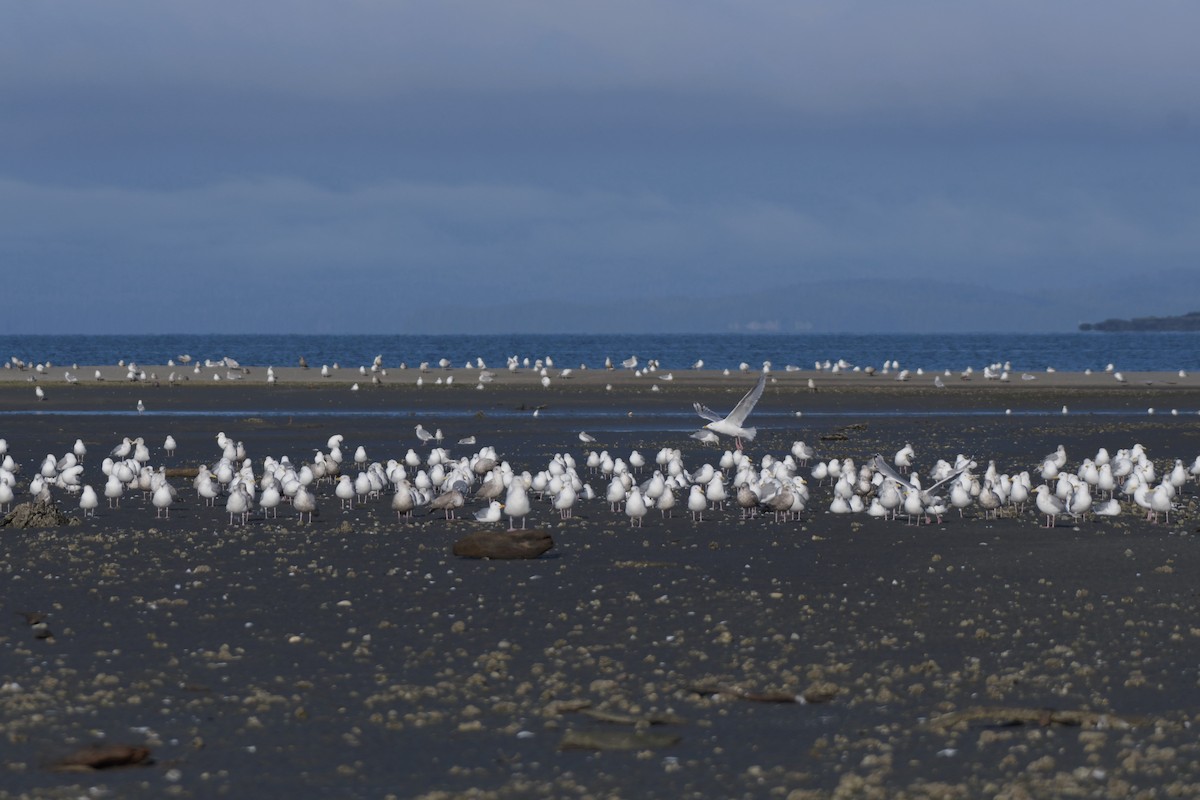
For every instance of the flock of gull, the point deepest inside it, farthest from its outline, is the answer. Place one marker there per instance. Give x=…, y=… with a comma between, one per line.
x=184, y=367
x=777, y=486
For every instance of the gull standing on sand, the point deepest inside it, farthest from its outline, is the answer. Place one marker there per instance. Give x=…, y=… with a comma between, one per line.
x=304, y=503
x=697, y=502
x=734, y=424
x=269, y=500
x=88, y=501
x=238, y=504
x=635, y=507
x=162, y=500
x=1049, y=505
x=516, y=503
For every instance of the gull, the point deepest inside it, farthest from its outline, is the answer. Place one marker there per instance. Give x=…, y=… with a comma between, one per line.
x=345, y=491
x=269, y=500
x=1160, y=502
x=586, y=438
x=88, y=501
x=565, y=501
x=491, y=488
x=666, y=501
x=747, y=500
x=237, y=505
x=697, y=502
x=162, y=500
x=516, y=504
x=635, y=507
x=403, y=501
x=1049, y=505
x=425, y=436
x=140, y=406
x=489, y=514
x=304, y=503
x=733, y=424
x=926, y=496
x=449, y=502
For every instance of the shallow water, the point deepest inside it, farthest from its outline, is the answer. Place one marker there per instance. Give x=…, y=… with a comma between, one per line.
x=1152, y=352
x=583, y=412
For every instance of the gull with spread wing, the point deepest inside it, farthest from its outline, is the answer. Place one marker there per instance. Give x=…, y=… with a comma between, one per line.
x=734, y=424
x=926, y=495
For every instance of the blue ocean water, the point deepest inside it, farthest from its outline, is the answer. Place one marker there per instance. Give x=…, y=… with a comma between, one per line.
x=1063, y=351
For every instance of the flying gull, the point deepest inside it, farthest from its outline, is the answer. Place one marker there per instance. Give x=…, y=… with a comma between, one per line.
x=734, y=424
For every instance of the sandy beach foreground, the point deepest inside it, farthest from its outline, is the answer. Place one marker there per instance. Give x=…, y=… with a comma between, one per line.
x=357, y=657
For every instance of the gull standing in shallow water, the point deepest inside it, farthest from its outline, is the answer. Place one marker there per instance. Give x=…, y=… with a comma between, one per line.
x=734, y=424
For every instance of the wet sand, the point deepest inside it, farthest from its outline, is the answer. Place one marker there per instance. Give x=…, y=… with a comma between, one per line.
x=356, y=657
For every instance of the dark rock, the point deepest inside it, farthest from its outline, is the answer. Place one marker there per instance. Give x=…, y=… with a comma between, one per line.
x=36, y=515
x=514, y=544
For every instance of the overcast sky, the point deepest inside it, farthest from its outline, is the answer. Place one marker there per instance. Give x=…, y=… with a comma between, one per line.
x=524, y=166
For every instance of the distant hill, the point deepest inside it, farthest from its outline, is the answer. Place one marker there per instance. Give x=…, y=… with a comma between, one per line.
x=1186, y=322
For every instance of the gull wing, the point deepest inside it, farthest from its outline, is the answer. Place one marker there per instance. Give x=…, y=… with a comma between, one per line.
x=746, y=404
x=707, y=412
x=891, y=474
x=953, y=475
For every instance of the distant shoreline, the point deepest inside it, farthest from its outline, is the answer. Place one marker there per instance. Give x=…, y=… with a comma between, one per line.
x=1185, y=323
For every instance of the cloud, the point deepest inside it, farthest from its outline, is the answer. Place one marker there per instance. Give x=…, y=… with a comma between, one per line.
x=1021, y=64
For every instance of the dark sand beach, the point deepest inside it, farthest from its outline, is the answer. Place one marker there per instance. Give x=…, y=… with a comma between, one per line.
x=357, y=657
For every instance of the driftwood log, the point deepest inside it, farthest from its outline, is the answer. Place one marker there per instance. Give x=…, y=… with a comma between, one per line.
x=514, y=544
x=103, y=756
